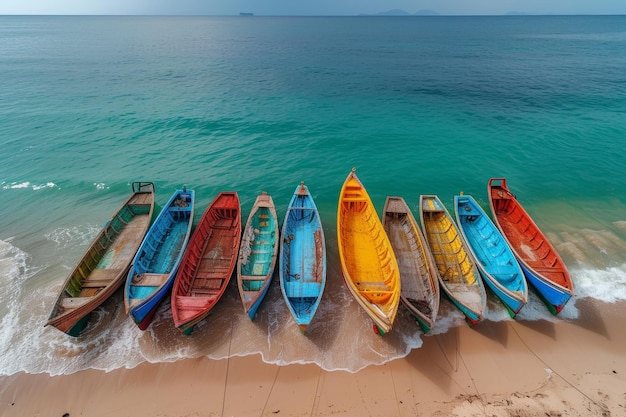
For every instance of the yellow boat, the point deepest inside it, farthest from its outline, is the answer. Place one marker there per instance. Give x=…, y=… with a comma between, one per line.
x=368, y=264
x=458, y=275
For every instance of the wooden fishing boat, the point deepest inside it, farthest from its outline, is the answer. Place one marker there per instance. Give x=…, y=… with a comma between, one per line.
x=257, y=255
x=103, y=267
x=457, y=273
x=368, y=263
x=208, y=263
x=418, y=272
x=154, y=267
x=541, y=263
x=302, y=266
x=494, y=258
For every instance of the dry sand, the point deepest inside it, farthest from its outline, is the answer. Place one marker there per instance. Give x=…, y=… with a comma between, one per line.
x=512, y=368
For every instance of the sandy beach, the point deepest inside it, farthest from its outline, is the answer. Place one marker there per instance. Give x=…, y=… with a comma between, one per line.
x=510, y=368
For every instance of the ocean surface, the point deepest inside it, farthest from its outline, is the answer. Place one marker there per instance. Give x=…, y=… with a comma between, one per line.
x=419, y=105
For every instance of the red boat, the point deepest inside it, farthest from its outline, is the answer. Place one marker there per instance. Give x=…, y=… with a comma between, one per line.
x=541, y=263
x=208, y=263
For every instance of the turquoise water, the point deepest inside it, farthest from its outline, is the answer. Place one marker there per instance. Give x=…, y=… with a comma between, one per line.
x=420, y=105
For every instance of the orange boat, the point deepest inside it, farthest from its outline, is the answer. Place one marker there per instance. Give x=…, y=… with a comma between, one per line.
x=368, y=263
x=208, y=263
x=542, y=265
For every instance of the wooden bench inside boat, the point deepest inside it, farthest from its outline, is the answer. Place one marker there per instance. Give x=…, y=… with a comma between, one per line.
x=372, y=286
x=192, y=303
x=207, y=284
x=100, y=278
x=150, y=280
x=224, y=223
x=252, y=283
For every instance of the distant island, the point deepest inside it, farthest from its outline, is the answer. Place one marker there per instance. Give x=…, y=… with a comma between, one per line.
x=428, y=12
x=246, y=14
x=400, y=12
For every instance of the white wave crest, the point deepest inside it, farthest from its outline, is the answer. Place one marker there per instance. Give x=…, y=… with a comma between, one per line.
x=27, y=184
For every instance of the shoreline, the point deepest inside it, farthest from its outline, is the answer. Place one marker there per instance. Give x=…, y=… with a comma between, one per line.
x=527, y=368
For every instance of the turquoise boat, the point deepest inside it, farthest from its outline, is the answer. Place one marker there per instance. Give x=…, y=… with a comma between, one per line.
x=494, y=258
x=257, y=254
x=156, y=262
x=302, y=266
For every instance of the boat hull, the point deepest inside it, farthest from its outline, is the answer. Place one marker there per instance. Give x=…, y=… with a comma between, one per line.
x=257, y=254
x=302, y=264
x=458, y=276
x=368, y=264
x=154, y=267
x=541, y=263
x=418, y=273
x=104, y=266
x=495, y=260
x=208, y=263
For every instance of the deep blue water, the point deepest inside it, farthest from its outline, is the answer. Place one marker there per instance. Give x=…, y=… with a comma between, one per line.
x=420, y=105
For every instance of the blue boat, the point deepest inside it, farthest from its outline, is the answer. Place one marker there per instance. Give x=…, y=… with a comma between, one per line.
x=156, y=262
x=495, y=259
x=257, y=254
x=302, y=267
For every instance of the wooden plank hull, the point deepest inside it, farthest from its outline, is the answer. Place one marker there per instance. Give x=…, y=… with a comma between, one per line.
x=457, y=273
x=541, y=263
x=208, y=263
x=103, y=267
x=257, y=254
x=368, y=263
x=155, y=265
x=302, y=266
x=495, y=259
x=418, y=272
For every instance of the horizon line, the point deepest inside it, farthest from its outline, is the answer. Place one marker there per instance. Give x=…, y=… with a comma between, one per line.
x=379, y=14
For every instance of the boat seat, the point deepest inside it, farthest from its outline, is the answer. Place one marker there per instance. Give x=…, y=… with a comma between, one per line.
x=207, y=284
x=192, y=303
x=504, y=272
x=149, y=280
x=252, y=284
x=100, y=278
x=302, y=290
x=377, y=297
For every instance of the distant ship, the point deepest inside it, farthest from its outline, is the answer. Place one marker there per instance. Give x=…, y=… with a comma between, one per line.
x=246, y=14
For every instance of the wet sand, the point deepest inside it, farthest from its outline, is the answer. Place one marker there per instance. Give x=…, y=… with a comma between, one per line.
x=509, y=368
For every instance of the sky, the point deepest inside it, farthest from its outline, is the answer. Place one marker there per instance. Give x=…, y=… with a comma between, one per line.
x=310, y=7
